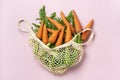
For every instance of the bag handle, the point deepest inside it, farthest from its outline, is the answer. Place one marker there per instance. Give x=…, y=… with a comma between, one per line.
x=30, y=31
x=27, y=25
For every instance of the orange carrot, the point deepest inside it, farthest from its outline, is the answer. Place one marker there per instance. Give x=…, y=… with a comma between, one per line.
x=45, y=35
x=89, y=25
x=73, y=29
x=78, y=27
x=60, y=38
x=50, y=30
x=57, y=25
x=86, y=34
x=68, y=35
x=40, y=31
x=64, y=19
x=54, y=36
x=66, y=22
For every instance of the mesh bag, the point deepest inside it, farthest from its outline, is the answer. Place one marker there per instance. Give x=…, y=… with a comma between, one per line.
x=57, y=59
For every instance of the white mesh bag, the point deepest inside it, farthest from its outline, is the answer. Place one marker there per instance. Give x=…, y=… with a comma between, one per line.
x=57, y=59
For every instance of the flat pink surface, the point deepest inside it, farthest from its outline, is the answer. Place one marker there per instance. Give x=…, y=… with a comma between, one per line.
x=102, y=56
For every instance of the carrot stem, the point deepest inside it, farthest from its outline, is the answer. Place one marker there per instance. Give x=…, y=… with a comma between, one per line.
x=48, y=44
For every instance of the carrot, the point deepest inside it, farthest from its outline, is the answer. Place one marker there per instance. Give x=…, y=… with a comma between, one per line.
x=40, y=31
x=45, y=35
x=66, y=22
x=50, y=30
x=78, y=27
x=60, y=38
x=90, y=24
x=57, y=25
x=73, y=29
x=68, y=35
x=85, y=35
x=54, y=36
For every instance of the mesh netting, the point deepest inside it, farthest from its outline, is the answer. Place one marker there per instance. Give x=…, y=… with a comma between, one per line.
x=57, y=60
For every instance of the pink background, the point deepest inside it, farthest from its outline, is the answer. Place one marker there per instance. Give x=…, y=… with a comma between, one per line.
x=102, y=56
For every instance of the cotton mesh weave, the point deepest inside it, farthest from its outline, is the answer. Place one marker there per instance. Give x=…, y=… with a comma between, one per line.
x=57, y=60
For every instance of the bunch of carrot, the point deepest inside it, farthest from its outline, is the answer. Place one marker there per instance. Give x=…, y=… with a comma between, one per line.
x=63, y=33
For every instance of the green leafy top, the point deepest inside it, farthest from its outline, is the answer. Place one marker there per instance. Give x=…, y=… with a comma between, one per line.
x=70, y=18
x=43, y=18
x=42, y=13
